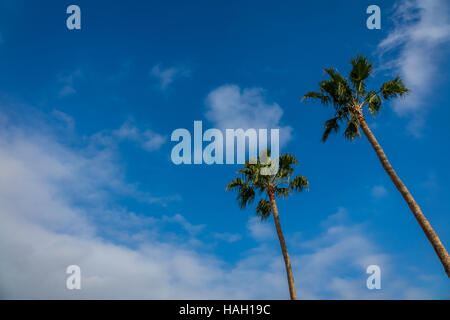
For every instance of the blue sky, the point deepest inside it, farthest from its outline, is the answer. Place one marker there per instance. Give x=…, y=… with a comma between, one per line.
x=86, y=117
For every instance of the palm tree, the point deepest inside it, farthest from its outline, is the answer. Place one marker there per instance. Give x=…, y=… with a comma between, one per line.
x=350, y=99
x=281, y=184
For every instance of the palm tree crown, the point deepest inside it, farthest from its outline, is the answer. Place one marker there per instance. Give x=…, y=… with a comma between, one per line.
x=349, y=96
x=280, y=184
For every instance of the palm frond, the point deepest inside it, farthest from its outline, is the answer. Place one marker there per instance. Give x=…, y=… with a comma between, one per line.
x=235, y=184
x=282, y=192
x=285, y=168
x=245, y=196
x=374, y=102
x=287, y=160
x=361, y=69
x=331, y=125
x=324, y=99
x=352, y=130
x=393, y=88
x=337, y=88
x=299, y=183
x=264, y=209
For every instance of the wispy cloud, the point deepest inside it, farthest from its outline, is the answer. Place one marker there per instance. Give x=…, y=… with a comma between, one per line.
x=66, y=119
x=147, y=139
x=178, y=218
x=342, y=249
x=227, y=236
x=260, y=230
x=68, y=83
x=378, y=192
x=166, y=76
x=230, y=107
x=417, y=43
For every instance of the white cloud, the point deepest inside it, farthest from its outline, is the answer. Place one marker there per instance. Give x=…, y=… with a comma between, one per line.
x=260, y=230
x=340, y=217
x=230, y=107
x=431, y=182
x=64, y=118
x=169, y=75
x=419, y=40
x=57, y=205
x=378, y=192
x=178, y=218
x=227, y=236
x=147, y=139
x=68, y=83
x=345, y=249
x=67, y=90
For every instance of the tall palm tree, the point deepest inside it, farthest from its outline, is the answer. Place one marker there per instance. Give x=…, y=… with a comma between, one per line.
x=281, y=184
x=350, y=99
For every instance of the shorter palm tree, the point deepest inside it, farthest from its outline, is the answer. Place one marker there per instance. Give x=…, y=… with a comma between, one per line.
x=281, y=184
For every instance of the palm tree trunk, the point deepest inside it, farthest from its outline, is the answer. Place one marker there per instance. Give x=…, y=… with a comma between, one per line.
x=423, y=222
x=287, y=260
